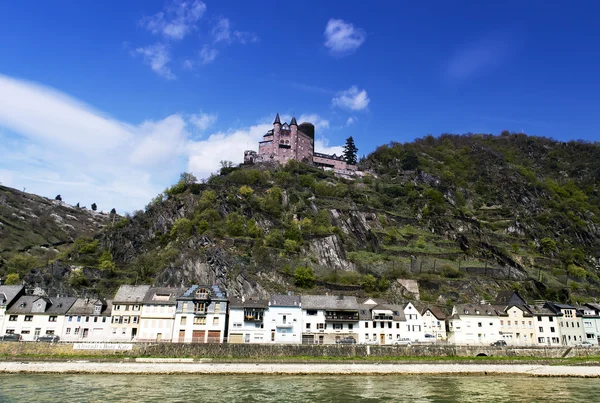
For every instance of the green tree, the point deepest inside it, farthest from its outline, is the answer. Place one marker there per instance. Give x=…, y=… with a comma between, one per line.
x=106, y=262
x=235, y=224
x=350, y=151
x=304, y=277
x=13, y=279
x=369, y=283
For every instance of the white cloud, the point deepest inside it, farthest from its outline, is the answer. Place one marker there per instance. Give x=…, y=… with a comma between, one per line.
x=177, y=20
x=342, y=37
x=480, y=57
x=222, y=32
x=207, y=54
x=158, y=58
x=352, y=99
x=322, y=146
x=351, y=120
x=203, y=121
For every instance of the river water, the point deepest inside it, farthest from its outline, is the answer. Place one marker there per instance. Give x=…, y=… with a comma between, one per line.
x=257, y=388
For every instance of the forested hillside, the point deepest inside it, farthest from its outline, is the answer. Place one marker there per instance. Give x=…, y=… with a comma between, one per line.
x=463, y=216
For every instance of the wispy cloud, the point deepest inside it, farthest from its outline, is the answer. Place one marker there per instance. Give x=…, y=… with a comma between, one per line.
x=351, y=120
x=352, y=99
x=207, y=54
x=222, y=32
x=178, y=19
x=342, y=38
x=480, y=57
x=158, y=57
x=322, y=146
x=203, y=121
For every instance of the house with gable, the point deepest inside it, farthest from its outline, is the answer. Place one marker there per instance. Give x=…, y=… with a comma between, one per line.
x=516, y=319
x=157, y=315
x=201, y=315
x=9, y=294
x=473, y=324
x=283, y=319
x=434, y=322
x=380, y=322
x=32, y=316
x=126, y=311
x=591, y=322
x=247, y=320
x=415, y=329
x=87, y=320
x=546, y=325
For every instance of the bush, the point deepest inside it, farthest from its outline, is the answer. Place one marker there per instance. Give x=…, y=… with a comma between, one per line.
x=450, y=272
x=182, y=227
x=13, y=279
x=304, y=277
x=235, y=225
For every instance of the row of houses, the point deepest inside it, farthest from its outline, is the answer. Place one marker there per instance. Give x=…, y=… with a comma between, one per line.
x=204, y=314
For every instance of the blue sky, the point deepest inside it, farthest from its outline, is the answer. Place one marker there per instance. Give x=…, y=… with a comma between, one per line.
x=109, y=101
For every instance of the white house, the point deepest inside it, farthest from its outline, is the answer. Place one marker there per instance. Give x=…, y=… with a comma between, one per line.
x=247, y=321
x=33, y=316
x=87, y=321
x=9, y=294
x=570, y=321
x=434, y=323
x=157, y=316
x=473, y=324
x=328, y=319
x=201, y=315
x=283, y=319
x=126, y=311
x=546, y=325
x=380, y=322
x=414, y=326
x=591, y=322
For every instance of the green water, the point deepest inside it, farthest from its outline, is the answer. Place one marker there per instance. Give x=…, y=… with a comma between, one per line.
x=253, y=388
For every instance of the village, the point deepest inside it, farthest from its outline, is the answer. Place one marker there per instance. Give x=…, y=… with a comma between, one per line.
x=205, y=314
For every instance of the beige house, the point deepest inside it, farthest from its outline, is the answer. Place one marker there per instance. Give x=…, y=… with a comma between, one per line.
x=157, y=317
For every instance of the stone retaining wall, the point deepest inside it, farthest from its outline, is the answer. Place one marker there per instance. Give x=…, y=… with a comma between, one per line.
x=253, y=351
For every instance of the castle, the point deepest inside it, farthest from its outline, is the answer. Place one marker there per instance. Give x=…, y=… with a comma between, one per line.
x=287, y=142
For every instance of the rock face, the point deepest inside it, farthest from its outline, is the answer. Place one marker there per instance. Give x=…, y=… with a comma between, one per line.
x=329, y=252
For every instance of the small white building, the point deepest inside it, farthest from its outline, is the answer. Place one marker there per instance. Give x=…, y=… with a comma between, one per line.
x=9, y=294
x=157, y=316
x=247, y=321
x=434, y=323
x=33, y=316
x=473, y=324
x=126, y=311
x=201, y=315
x=87, y=321
x=546, y=325
x=329, y=319
x=283, y=319
x=570, y=321
x=414, y=326
x=380, y=322
x=591, y=322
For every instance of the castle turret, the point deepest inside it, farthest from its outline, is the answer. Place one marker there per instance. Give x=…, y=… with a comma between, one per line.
x=276, y=124
x=294, y=126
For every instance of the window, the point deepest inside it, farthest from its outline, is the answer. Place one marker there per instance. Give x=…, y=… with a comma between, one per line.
x=338, y=326
x=311, y=312
x=135, y=319
x=541, y=329
x=183, y=320
x=28, y=318
x=390, y=336
x=350, y=326
x=199, y=307
x=308, y=326
x=117, y=307
x=389, y=325
x=68, y=331
x=136, y=307
x=13, y=318
x=551, y=319
x=76, y=330
x=125, y=319
x=97, y=309
x=501, y=323
x=184, y=307
x=541, y=340
x=25, y=331
x=552, y=330
x=366, y=325
x=479, y=324
x=52, y=319
x=397, y=325
x=374, y=325
x=540, y=319
x=126, y=307
x=320, y=326
x=366, y=336
x=215, y=321
x=218, y=307
x=79, y=319
x=116, y=319
x=199, y=320
x=70, y=318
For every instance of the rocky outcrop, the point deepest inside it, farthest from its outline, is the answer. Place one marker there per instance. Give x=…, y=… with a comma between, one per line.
x=329, y=253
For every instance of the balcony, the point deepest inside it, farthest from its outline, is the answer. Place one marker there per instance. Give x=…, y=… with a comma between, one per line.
x=286, y=325
x=383, y=317
x=341, y=316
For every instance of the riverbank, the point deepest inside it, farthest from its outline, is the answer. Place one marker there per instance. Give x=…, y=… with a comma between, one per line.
x=161, y=367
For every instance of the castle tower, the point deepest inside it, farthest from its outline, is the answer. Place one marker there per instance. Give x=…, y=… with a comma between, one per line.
x=276, y=125
x=294, y=136
x=276, y=134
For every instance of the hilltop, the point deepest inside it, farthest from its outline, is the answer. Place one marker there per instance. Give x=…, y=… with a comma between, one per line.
x=461, y=217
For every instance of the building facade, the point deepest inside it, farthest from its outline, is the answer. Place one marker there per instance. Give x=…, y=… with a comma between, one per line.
x=473, y=324
x=87, y=321
x=126, y=311
x=201, y=315
x=247, y=321
x=33, y=316
x=283, y=319
x=157, y=316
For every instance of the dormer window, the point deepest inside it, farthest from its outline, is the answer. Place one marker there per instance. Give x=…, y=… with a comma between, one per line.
x=97, y=309
x=477, y=312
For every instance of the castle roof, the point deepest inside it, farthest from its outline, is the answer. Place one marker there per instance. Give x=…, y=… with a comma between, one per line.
x=277, y=120
x=293, y=122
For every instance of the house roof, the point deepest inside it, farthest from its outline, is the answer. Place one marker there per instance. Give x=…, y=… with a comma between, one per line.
x=539, y=310
x=86, y=306
x=435, y=311
x=54, y=306
x=284, y=300
x=215, y=293
x=331, y=302
x=163, y=295
x=9, y=293
x=475, y=310
x=131, y=294
x=248, y=303
x=509, y=298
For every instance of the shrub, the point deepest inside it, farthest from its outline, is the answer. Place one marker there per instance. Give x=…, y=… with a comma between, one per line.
x=182, y=227
x=304, y=277
x=235, y=224
x=13, y=279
